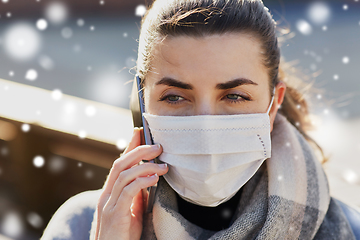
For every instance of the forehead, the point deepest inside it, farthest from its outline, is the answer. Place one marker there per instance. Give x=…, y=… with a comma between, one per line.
x=229, y=55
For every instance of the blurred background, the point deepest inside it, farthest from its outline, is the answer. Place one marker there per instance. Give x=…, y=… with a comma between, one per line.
x=65, y=79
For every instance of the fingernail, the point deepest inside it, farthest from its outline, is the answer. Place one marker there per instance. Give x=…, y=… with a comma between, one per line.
x=134, y=132
x=156, y=146
x=163, y=165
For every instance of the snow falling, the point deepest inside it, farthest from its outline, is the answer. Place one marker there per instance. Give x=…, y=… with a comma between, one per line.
x=121, y=144
x=66, y=33
x=72, y=54
x=56, y=94
x=35, y=220
x=346, y=60
x=82, y=134
x=31, y=75
x=12, y=224
x=140, y=10
x=319, y=13
x=350, y=176
x=25, y=127
x=304, y=27
x=80, y=22
x=56, y=165
x=21, y=41
x=90, y=111
x=41, y=24
x=56, y=12
x=38, y=161
x=46, y=62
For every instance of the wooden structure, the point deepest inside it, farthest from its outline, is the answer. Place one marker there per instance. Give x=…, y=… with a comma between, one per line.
x=76, y=138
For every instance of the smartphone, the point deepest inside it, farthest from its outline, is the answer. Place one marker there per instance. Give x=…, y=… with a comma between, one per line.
x=149, y=193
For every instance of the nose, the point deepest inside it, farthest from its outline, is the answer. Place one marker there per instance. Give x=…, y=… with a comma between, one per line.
x=205, y=107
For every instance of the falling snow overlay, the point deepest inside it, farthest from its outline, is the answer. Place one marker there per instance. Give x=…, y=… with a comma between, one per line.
x=56, y=164
x=140, y=10
x=46, y=62
x=121, y=144
x=304, y=27
x=35, y=220
x=66, y=32
x=66, y=74
x=56, y=94
x=21, y=41
x=90, y=111
x=12, y=224
x=82, y=134
x=41, y=24
x=56, y=12
x=31, y=75
x=38, y=161
x=319, y=12
x=25, y=127
x=80, y=22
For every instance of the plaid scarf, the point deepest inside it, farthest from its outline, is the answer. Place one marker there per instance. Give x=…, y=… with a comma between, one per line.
x=288, y=198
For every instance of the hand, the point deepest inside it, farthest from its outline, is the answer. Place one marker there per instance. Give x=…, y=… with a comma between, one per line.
x=120, y=207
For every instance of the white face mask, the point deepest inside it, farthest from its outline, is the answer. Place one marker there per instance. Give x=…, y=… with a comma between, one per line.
x=211, y=157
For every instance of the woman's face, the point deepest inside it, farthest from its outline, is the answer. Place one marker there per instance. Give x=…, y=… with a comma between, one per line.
x=212, y=75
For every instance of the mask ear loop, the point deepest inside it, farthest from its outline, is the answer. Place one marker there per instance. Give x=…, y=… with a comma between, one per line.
x=271, y=103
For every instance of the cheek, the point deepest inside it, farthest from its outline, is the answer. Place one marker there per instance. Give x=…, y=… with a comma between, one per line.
x=271, y=124
x=273, y=113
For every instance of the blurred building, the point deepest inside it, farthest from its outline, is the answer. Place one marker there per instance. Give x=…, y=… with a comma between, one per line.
x=52, y=147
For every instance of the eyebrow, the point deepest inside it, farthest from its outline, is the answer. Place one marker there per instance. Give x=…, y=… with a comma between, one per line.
x=174, y=83
x=221, y=86
x=234, y=83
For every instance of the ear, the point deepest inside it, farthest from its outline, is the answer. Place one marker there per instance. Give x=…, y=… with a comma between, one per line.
x=280, y=90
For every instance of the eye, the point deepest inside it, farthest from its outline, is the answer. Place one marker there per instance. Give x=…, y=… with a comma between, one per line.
x=233, y=97
x=172, y=99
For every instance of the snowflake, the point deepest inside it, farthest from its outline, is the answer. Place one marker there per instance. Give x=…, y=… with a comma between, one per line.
x=346, y=60
x=38, y=161
x=31, y=75
x=25, y=127
x=41, y=24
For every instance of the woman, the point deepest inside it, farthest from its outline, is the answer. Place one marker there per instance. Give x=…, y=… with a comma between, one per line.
x=213, y=91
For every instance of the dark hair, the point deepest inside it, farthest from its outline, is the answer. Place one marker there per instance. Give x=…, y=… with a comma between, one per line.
x=200, y=18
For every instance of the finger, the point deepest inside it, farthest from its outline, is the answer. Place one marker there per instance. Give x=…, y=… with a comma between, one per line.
x=146, y=152
x=127, y=177
x=125, y=201
x=137, y=206
x=135, y=140
x=143, y=152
